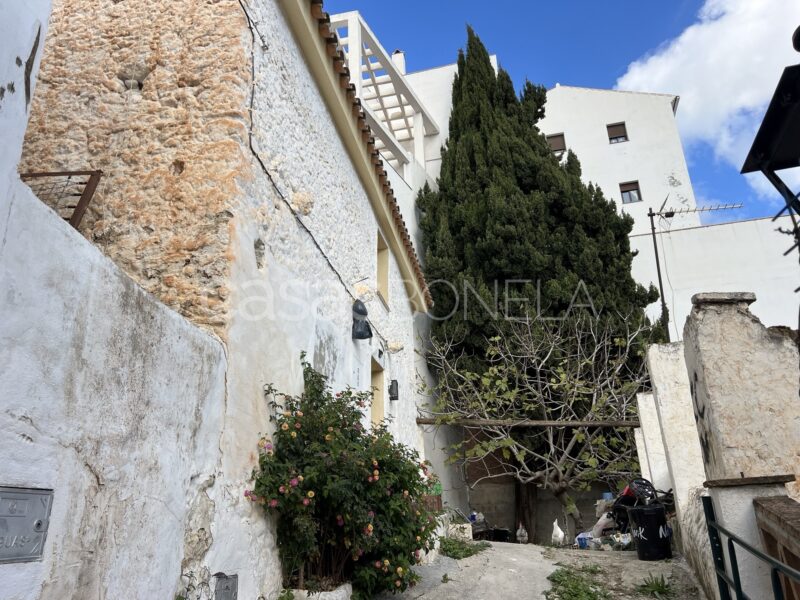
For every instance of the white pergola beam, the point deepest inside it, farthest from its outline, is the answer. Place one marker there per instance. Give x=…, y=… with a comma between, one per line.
x=352, y=20
x=389, y=141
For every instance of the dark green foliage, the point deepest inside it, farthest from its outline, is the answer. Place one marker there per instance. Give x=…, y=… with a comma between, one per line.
x=572, y=585
x=507, y=209
x=458, y=549
x=656, y=587
x=348, y=501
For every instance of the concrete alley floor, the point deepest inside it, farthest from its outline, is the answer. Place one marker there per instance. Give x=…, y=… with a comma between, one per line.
x=520, y=572
x=502, y=571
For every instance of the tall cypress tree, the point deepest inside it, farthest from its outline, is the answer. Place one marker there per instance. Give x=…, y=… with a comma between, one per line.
x=508, y=209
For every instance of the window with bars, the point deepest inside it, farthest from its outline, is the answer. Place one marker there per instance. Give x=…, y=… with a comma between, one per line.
x=630, y=192
x=617, y=133
x=557, y=143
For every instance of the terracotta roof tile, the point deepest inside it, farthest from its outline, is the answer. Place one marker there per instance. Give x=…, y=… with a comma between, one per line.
x=339, y=65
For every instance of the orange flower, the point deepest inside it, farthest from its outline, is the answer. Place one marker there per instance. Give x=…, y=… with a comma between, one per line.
x=328, y=437
x=285, y=426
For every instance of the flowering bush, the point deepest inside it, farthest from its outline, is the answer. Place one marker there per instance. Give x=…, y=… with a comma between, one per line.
x=348, y=500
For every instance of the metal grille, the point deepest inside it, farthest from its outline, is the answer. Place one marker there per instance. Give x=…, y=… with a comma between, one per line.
x=66, y=192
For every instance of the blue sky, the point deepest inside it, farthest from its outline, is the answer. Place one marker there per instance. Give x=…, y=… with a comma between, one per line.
x=723, y=57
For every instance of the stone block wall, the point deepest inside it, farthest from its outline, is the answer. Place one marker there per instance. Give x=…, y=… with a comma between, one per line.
x=152, y=93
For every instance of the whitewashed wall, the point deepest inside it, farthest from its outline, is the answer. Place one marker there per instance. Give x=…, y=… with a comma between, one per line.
x=301, y=254
x=653, y=154
x=745, y=256
x=106, y=397
x=23, y=28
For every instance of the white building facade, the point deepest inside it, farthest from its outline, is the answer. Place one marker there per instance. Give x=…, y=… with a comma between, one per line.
x=628, y=144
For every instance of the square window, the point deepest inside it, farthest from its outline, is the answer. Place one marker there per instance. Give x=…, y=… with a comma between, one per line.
x=557, y=143
x=630, y=192
x=617, y=133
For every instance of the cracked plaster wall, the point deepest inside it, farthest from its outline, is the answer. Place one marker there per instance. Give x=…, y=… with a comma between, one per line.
x=108, y=398
x=157, y=95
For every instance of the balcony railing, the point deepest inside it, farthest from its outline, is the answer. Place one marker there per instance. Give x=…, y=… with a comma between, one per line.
x=67, y=192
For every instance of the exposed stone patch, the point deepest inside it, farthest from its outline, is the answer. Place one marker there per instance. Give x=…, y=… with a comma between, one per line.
x=197, y=538
x=134, y=89
x=302, y=202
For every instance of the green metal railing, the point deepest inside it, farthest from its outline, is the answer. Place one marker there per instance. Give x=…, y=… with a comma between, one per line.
x=733, y=582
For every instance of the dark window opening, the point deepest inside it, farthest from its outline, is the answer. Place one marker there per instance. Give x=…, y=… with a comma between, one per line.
x=557, y=143
x=617, y=133
x=630, y=192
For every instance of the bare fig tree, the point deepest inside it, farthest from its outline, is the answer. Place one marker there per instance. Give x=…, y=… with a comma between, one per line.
x=576, y=370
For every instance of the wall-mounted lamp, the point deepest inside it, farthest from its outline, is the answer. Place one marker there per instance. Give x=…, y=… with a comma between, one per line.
x=361, y=328
x=394, y=391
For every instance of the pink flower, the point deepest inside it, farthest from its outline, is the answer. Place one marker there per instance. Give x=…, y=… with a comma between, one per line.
x=297, y=425
x=339, y=521
x=293, y=482
x=273, y=503
x=268, y=446
x=247, y=493
x=378, y=564
x=370, y=514
x=282, y=489
x=369, y=478
x=306, y=501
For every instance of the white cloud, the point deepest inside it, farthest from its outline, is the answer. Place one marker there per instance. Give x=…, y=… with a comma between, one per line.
x=725, y=68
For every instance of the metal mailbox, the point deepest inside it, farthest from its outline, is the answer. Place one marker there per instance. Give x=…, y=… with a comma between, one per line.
x=24, y=518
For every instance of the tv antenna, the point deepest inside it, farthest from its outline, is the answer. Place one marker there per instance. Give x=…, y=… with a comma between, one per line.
x=668, y=214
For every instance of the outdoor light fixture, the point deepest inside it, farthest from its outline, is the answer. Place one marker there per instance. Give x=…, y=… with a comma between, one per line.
x=361, y=328
x=394, y=391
